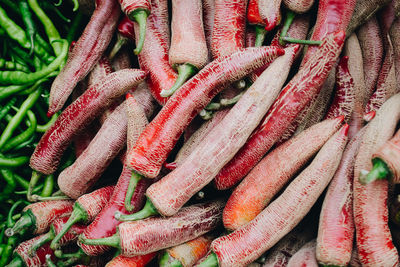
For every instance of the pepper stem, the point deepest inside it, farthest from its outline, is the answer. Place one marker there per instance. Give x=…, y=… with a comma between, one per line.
x=71, y=258
x=290, y=15
x=16, y=262
x=40, y=242
x=135, y=178
x=49, y=261
x=32, y=183
x=147, y=211
x=185, y=71
x=299, y=41
x=22, y=224
x=261, y=32
x=379, y=171
x=112, y=241
x=229, y=102
x=210, y=261
x=78, y=215
x=140, y=16
x=121, y=41
x=167, y=260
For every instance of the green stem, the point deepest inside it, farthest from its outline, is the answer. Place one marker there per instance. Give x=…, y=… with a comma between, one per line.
x=76, y=5
x=16, y=262
x=185, y=71
x=121, y=41
x=299, y=41
x=112, y=241
x=167, y=260
x=290, y=15
x=213, y=106
x=379, y=171
x=78, y=215
x=25, y=222
x=10, y=219
x=8, y=176
x=229, y=102
x=32, y=183
x=49, y=262
x=211, y=261
x=261, y=32
x=40, y=242
x=140, y=16
x=135, y=178
x=147, y=211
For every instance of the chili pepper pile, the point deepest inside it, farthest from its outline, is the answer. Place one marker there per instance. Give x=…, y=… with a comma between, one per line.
x=200, y=133
x=33, y=51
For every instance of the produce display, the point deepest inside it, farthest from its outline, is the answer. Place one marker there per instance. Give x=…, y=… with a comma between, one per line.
x=206, y=133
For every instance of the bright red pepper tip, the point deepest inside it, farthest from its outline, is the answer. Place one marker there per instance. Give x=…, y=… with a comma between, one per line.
x=345, y=129
x=170, y=166
x=269, y=26
x=128, y=95
x=339, y=36
x=281, y=51
x=370, y=115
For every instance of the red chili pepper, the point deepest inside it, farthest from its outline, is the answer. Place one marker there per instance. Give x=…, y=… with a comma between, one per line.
x=270, y=12
x=370, y=200
x=229, y=27
x=253, y=18
x=333, y=16
x=105, y=224
x=82, y=111
x=86, y=208
x=298, y=6
x=23, y=258
x=55, y=228
x=125, y=33
x=344, y=100
x=293, y=98
x=138, y=11
x=154, y=56
x=188, y=51
x=38, y=216
x=136, y=261
x=146, y=236
x=110, y=140
x=87, y=51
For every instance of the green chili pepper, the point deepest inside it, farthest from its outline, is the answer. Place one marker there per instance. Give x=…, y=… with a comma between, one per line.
x=76, y=23
x=13, y=162
x=21, y=181
x=35, y=190
x=50, y=29
x=40, y=111
x=27, y=144
x=8, y=176
x=16, y=120
x=4, y=111
x=24, y=136
x=10, y=65
x=43, y=128
x=10, y=219
x=48, y=186
x=34, y=87
x=19, y=77
x=6, y=91
x=28, y=21
x=7, y=252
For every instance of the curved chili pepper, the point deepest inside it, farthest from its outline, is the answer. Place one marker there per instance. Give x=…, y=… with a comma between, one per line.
x=105, y=224
x=293, y=98
x=137, y=10
x=87, y=51
x=161, y=135
x=28, y=21
x=137, y=261
x=333, y=16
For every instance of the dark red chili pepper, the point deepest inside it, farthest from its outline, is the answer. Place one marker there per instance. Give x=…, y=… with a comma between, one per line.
x=87, y=51
x=86, y=208
x=55, y=228
x=105, y=224
x=82, y=111
x=125, y=33
x=23, y=258
x=293, y=98
x=160, y=136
